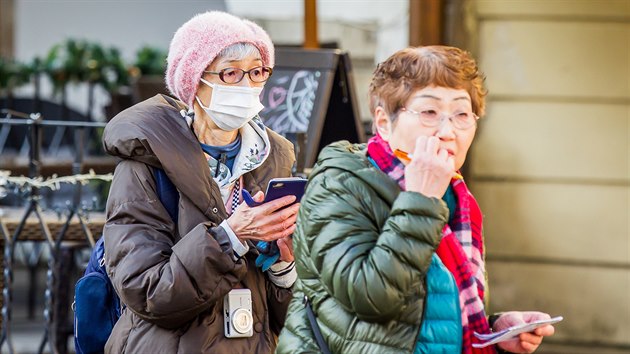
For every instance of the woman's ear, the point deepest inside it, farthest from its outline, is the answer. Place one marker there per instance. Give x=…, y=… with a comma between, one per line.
x=382, y=123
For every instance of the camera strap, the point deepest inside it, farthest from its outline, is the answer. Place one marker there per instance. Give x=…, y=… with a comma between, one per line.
x=315, y=327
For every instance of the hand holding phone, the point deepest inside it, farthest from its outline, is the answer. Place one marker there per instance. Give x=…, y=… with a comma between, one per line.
x=278, y=188
x=512, y=332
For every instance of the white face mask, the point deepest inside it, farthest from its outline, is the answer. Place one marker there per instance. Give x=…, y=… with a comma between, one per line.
x=231, y=107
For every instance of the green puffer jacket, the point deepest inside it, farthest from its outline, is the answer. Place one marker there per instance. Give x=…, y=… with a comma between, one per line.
x=363, y=249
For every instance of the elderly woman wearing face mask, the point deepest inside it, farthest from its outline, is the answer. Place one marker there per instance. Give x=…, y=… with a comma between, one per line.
x=388, y=245
x=173, y=270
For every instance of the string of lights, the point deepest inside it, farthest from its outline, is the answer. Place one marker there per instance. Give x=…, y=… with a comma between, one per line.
x=54, y=182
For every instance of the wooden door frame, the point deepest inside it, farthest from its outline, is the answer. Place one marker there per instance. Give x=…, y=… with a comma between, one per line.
x=447, y=22
x=7, y=15
x=426, y=22
x=311, y=40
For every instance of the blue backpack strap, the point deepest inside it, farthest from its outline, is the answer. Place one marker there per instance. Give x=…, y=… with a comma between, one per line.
x=96, y=305
x=96, y=262
x=167, y=193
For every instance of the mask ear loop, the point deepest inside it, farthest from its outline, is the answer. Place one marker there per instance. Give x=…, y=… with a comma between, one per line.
x=208, y=83
x=201, y=104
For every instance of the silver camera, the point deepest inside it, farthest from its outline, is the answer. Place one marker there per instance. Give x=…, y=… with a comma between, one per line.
x=237, y=314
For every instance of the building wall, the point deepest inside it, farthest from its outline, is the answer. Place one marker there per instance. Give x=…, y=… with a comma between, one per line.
x=550, y=165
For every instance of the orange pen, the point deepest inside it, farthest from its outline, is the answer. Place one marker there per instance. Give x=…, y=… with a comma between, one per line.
x=405, y=157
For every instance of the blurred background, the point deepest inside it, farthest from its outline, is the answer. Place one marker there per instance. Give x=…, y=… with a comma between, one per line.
x=550, y=165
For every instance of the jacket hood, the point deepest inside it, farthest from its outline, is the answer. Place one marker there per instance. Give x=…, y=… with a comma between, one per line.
x=142, y=131
x=345, y=156
x=155, y=132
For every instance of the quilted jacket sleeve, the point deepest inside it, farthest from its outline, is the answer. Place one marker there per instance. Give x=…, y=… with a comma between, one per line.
x=163, y=282
x=369, y=255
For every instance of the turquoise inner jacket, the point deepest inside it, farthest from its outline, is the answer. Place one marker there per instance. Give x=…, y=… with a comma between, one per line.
x=441, y=330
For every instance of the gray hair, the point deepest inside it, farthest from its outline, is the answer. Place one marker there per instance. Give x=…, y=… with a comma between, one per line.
x=239, y=51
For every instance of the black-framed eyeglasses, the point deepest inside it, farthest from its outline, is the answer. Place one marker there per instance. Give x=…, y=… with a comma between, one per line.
x=235, y=75
x=431, y=118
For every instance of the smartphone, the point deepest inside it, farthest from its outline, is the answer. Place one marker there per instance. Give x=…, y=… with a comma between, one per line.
x=511, y=332
x=278, y=188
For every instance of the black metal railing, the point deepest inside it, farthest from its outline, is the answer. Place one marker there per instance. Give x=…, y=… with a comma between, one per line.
x=35, y=125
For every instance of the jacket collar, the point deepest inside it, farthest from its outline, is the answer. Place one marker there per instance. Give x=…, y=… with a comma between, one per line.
x=352, y=158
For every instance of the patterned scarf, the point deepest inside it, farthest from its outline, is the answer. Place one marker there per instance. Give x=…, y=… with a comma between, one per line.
x=254, y=150
x=461, y=248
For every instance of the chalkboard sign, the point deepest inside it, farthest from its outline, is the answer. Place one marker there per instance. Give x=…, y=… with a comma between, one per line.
x=312, y=92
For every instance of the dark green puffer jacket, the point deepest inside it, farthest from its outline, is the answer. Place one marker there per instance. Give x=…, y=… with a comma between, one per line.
x=362, y=249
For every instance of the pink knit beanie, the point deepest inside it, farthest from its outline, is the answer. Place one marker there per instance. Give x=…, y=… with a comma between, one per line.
x=198, y=42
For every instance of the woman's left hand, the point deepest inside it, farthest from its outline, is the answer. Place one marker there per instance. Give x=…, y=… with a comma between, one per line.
x=525, y=342
x=285, y=245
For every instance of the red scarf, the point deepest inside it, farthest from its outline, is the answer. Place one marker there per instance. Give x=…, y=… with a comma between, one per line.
x=461, y=249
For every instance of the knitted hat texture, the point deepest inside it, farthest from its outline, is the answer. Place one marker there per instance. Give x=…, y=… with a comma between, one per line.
x=198, y=42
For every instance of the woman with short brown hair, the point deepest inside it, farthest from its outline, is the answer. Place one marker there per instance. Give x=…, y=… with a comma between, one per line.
x=388, y=246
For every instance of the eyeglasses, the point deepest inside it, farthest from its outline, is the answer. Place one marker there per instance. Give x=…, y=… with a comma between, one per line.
x=432, y=118
x=235, y=75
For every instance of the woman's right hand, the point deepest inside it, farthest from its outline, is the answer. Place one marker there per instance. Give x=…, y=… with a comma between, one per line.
x=430, y=170
x=265, y=222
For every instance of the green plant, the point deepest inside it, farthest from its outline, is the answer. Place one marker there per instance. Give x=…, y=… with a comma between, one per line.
x=13, y=74
x=116, y=72
x=83, y=61
x=150, y=61
x=63, y=63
